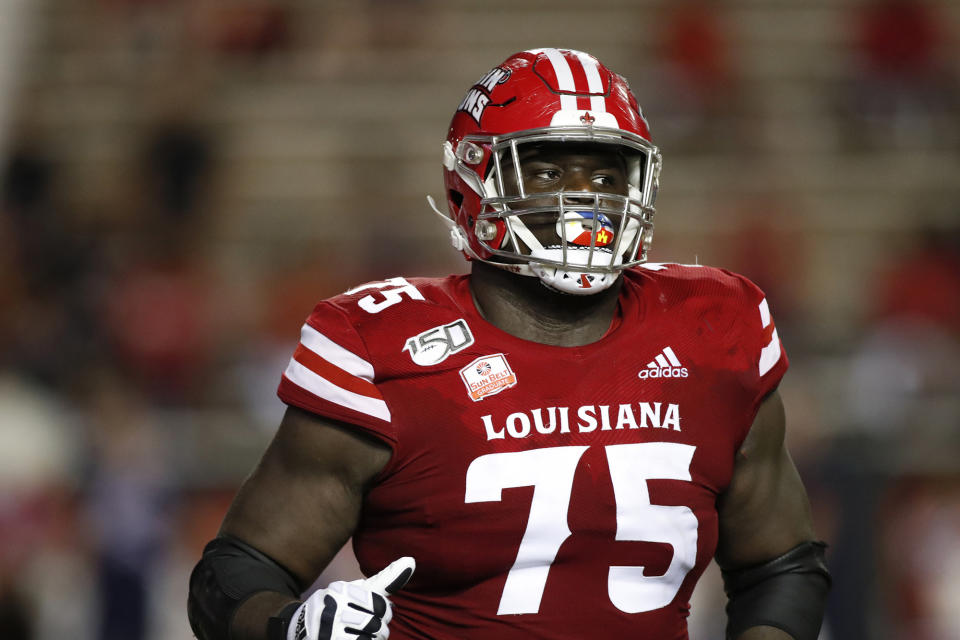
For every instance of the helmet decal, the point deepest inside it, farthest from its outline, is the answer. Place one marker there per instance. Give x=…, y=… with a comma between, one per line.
x=478, y=97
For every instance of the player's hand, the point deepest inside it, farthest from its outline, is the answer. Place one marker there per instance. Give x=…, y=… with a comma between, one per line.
x=352, y=610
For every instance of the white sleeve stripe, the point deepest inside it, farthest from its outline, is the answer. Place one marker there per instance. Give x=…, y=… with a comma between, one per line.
x=335, y=354
x=323, y=388
x=764, y=313
x=770, y=354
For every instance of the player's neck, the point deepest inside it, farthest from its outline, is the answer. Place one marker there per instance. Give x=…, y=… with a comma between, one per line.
x=522, y=306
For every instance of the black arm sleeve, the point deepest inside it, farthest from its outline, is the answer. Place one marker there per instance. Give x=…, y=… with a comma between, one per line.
x=788, y=592
x=229, y=572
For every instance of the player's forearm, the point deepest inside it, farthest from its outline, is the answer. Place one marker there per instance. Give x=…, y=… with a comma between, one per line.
x=250, y=622
x=235, y=589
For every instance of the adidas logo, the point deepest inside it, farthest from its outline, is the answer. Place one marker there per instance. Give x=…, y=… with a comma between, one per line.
x=665, y=365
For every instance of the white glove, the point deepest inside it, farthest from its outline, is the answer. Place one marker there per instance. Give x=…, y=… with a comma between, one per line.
x=356, y=610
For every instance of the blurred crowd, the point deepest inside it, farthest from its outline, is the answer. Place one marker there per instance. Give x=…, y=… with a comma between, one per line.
x=142, y=337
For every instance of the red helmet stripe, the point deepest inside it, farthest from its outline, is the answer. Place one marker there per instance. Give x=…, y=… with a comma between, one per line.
x=594, y=82
x=579, y=74
x=579, y=82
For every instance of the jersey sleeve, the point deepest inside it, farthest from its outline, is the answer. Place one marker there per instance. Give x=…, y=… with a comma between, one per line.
x=332, y=375
x=765, y=358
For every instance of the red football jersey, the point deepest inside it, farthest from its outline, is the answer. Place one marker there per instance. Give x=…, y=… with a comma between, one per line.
x=545, y=492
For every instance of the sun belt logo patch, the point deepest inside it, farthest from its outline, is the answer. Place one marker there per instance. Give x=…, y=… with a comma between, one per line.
x=487, y=376
x=435, y=345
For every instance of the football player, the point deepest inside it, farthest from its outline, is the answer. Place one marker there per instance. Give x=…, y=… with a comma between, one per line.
x=554, y=446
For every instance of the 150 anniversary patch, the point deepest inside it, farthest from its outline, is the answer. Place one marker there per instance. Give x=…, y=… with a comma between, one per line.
x=434, y=345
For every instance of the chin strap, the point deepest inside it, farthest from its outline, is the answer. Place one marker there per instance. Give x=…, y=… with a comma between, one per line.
x=521, y=231
x=460, y=243
x=456, y=234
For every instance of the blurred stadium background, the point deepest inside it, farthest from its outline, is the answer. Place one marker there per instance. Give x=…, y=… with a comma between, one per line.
x=182, y=180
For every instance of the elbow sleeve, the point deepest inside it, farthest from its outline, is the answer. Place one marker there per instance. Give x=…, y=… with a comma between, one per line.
x=788, y=592
x=229, y=572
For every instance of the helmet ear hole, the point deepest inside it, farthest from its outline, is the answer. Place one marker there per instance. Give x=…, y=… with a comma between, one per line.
x=456, y=198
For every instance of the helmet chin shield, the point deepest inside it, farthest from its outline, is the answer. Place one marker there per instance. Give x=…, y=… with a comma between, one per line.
x=582, y=256
x=582, y=283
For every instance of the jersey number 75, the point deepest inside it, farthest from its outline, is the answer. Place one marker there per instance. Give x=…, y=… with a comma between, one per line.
x=551, y=471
